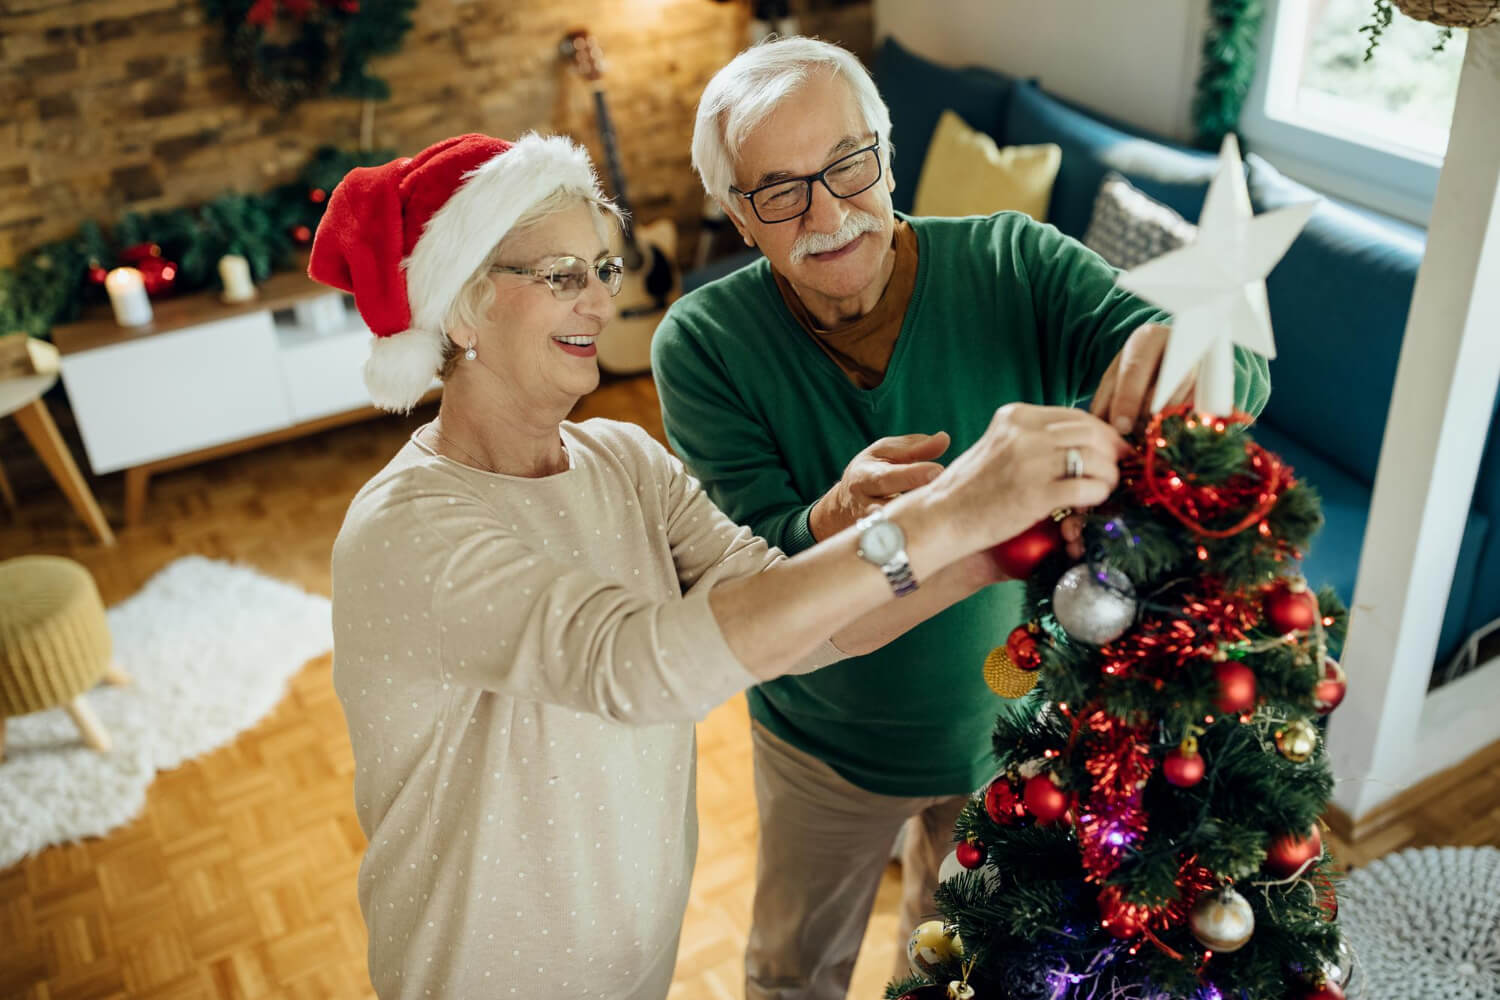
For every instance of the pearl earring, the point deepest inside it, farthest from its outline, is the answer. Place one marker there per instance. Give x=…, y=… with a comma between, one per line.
x=470, y=354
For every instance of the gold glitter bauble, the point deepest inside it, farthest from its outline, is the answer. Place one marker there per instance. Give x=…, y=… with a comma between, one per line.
x=1004, y=677
x=1298, y=741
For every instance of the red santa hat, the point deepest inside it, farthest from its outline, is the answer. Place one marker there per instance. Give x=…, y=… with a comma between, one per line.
x=405, y=236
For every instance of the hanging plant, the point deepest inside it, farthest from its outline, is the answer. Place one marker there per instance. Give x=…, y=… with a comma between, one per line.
x=285, y=51
x=1448, y=14
x=1230, y=45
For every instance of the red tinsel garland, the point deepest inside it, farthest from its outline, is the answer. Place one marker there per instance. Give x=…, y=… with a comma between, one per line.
x=1109, y=818
x=1165, y=643
x=1191, y=504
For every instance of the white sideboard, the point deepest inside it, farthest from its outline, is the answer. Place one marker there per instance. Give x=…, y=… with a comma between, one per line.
x=207, y=379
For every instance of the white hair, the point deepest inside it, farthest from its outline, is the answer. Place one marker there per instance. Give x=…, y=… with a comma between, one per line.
x=754, y=84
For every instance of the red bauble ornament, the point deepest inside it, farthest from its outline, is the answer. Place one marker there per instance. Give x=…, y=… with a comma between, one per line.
x=97, y=275
x=1328, y=991
x=1183, y=767
x=1117, y=916
x=134, y=255
x=1236, y=687
x=1020, y=556
x=1021, y=645
x=159, y=276
x=302, y=234
x=1330, y=691
x=970, y=854
x=1291, y=607
x=1286, y=855
x=1044, y=800
x=317, y=196
x=1002, y=803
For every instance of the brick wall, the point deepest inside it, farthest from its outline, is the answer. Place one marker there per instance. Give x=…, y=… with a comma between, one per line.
x=128, y=104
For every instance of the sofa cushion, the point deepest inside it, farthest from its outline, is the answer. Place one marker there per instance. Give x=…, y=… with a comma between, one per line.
x=965, y=173
x=918, y=91
x=1129, y=228
x=1333, y=558
x=1091, y=149
x=1339, y=300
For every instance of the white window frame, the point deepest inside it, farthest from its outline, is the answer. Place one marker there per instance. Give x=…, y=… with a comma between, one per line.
x=1393, y=179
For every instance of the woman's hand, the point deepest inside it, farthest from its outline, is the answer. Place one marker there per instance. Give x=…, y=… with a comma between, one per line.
x=1017, y=473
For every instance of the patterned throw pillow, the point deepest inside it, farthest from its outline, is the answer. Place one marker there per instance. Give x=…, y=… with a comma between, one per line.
x=1130, y=228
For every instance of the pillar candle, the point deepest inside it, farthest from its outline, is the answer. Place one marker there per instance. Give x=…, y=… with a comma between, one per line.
x=234, y=272
x=127, y=294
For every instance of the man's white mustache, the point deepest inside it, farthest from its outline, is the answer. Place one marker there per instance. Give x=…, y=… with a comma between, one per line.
x=856, y=223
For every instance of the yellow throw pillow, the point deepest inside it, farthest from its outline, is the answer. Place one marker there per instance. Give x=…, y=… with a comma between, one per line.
x=965, y=173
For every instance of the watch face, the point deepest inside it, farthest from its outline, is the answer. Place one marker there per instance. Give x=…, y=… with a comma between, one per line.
x=881, y=541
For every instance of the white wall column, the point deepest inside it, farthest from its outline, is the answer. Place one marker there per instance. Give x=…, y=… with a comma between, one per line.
x=1440, y=411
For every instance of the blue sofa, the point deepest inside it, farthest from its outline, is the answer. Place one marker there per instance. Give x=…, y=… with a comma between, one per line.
x=1339, y=301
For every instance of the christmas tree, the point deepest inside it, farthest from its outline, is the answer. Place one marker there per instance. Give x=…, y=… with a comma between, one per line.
x=1152, y=831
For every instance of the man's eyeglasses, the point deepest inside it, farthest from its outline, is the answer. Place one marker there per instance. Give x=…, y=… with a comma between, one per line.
x=785, y=200
x=567, y=276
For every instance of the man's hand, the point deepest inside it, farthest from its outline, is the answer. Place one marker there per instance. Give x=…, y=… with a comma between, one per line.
x=1124, y=394
x=884, y=470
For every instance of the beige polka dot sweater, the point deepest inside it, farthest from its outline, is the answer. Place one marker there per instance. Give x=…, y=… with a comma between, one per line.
x=520, y=663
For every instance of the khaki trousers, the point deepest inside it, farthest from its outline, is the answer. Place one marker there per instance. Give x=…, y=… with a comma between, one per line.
x=824, y=843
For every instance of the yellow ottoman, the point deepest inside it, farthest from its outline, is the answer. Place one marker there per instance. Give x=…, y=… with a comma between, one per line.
x=54, y=642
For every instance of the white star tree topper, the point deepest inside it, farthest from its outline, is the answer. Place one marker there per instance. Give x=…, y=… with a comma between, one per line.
x=1215, y=287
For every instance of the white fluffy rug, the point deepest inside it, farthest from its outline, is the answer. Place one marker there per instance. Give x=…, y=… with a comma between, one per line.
x=209, y=648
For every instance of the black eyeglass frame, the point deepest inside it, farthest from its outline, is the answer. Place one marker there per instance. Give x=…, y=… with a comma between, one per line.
x=822, y=177
x=548, y=275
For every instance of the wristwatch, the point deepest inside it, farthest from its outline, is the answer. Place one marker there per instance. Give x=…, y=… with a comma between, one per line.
x=882, y=542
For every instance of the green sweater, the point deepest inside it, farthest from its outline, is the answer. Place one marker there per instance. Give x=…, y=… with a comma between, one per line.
x=1005, y=309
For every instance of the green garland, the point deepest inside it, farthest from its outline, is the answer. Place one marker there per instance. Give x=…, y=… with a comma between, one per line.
x=284, y=51
x=51, y=283
x=1229, y=54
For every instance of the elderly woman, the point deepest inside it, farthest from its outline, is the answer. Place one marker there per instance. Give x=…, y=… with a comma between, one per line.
x=531, y=613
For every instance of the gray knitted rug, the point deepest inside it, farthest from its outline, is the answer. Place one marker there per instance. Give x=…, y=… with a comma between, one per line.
x=1424, y=924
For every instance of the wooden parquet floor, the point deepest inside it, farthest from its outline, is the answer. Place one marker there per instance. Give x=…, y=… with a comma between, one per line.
x=238, y=880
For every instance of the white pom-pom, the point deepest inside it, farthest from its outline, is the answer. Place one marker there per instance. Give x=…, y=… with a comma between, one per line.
x=402, y=366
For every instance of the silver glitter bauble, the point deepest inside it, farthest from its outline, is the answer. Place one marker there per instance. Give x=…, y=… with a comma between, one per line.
x=1093, y=610
x=1222, y=920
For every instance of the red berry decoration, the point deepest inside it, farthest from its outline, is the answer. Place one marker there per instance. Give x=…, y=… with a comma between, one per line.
x=1286, y=855
x=97, y=275
x=1021, y=645
x=1291, y=607
x=1001, y=802
x=1330, y=691
x=302, y=234
x=1236, y=687
x=157, y=275
x=1044, y=800
x=317, y=196
x=1184, y=766
x=970, y=854
x=1120, y=918
x=1020, y=556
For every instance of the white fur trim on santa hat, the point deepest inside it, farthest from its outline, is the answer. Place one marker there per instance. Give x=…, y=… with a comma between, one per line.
x=461, y=234
x=402, y=366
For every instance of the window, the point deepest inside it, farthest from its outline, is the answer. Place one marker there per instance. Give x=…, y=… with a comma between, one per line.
x=1373, y=132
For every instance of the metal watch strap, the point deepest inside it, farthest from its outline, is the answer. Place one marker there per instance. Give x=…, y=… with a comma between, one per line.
x=898, y=572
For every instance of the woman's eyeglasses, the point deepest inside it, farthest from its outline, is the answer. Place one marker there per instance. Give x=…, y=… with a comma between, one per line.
x=567, y=276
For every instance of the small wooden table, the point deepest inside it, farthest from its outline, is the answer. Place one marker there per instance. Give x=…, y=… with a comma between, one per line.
x=22, y=397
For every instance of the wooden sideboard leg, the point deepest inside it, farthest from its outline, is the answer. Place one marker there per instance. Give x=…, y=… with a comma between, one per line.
x=88, y=725
x=8, y=494
x=36, y=423
x=136, y=482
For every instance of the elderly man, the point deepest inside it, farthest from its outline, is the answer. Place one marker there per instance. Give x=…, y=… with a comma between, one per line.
x=860, y=325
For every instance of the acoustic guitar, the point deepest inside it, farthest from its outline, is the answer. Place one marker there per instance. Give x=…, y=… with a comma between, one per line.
x=651, y=277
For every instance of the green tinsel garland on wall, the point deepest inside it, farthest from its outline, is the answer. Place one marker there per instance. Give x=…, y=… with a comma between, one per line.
x=1230, y=46
x=51, y=283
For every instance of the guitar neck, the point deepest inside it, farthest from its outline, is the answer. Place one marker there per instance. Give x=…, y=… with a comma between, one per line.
x=612, y=159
